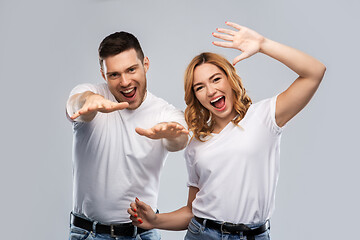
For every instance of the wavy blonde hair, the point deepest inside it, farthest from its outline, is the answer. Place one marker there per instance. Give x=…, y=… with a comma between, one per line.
x=199, y=118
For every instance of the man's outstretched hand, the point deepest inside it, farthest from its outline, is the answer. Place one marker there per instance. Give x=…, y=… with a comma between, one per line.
x=168, y=130
x=97, y=103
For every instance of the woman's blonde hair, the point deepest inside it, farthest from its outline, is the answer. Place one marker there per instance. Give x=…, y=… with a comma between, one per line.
x=198, y=117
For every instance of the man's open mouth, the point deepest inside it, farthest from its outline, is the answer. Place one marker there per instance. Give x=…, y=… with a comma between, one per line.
x=129, y=93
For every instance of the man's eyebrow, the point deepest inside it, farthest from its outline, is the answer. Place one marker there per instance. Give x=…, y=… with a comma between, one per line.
x=133, y=66
x=110, y=73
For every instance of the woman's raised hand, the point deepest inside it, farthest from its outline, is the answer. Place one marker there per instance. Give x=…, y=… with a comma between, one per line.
x=244, y=39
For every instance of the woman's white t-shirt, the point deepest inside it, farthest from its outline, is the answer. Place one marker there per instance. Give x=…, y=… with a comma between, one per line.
x=237, y=170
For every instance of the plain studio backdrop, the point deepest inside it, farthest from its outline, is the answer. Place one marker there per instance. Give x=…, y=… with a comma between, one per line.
x=48, y=47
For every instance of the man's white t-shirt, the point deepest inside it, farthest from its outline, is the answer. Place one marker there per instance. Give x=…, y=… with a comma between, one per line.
x=112, y=164
x=237, y=170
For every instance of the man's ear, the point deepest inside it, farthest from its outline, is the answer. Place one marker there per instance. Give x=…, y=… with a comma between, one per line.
x=146, y=64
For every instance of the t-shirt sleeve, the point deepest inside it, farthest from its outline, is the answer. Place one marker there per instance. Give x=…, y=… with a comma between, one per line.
x=270, y=116
x=265, y=112
x=172, y=114
x=193, y=177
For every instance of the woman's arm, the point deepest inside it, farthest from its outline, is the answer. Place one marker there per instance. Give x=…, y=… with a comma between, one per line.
x=309, y=69
x=143, y=216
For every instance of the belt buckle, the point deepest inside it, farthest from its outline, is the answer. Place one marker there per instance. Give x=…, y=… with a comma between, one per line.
x=112, y=231
x=223, y=230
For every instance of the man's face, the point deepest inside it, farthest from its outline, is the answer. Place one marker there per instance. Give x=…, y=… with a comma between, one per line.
x=126, y=77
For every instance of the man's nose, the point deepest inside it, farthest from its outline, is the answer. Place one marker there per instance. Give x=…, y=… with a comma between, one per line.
x=124, y=80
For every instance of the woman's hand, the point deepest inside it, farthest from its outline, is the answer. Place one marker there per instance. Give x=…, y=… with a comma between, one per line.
x=244, y=39
x=142, y=215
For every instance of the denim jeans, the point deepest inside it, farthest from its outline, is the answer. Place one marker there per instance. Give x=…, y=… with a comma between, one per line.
x=77, y=233
x=197, y=231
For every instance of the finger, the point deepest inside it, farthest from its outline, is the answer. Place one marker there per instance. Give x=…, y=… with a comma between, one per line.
x=227, y=31
x=223, y=44
x=242, y=56
x=181, y=132
x=133, y=207
x=166, y=127
x=135, y=221
x=92, y=108
x=158, y=128
x=234, y=25
x=75, y=115
x=149, y=133
x=121, y=105
x=107, y=107
x=132, y=213
x=222, y=36
x=185, y=131
x=141, y=204
x=172, y=125
x=84, y=110
x=144, y=132
x=100, y=106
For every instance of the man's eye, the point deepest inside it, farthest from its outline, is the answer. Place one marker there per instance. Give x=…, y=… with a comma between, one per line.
x=131, y=70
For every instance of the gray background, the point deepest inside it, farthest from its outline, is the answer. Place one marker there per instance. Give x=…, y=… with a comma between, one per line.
x=47, y=47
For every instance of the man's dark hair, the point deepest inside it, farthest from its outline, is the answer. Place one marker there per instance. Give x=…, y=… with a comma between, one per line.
x=119, y=42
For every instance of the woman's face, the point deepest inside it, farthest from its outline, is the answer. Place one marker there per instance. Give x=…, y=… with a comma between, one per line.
x=214, y=92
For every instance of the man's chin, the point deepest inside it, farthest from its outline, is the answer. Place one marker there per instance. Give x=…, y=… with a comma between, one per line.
x=133, y=105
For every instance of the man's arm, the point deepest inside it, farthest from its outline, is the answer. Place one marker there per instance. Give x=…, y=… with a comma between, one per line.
x=83, y=107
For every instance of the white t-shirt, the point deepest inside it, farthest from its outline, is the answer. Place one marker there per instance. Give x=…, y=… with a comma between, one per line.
x=237, y=170
x=112, y=164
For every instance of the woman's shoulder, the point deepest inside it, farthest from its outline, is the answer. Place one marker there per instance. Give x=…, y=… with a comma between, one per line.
x=262, y=107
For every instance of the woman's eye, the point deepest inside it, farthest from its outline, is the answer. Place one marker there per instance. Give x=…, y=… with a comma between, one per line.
x=216, y=79
x=198, y=88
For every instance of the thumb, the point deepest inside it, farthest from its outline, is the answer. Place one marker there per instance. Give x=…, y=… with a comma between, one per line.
x=242, y=56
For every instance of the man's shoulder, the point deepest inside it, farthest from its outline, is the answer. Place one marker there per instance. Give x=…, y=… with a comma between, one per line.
x=156, y=101
x=93, y=87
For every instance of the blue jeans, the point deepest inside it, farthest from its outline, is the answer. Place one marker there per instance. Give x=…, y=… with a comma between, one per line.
x=77, y=233
x=197, y=231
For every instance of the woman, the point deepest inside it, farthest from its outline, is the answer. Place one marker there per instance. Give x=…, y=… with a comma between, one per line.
x=233, y=157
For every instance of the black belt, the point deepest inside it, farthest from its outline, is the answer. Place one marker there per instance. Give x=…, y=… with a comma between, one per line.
x=124, y=229
x=231, y=228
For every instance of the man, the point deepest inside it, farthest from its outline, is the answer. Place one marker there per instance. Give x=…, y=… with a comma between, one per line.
x=113, y=161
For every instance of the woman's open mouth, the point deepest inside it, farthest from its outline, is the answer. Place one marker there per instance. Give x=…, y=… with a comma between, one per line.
x=218, y=103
